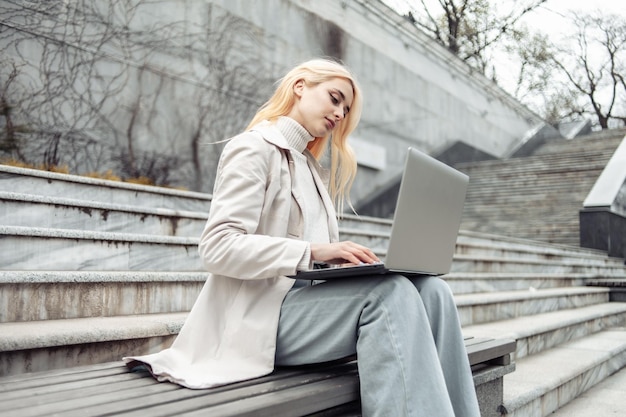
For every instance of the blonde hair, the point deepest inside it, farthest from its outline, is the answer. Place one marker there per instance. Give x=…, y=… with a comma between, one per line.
x=342, y=160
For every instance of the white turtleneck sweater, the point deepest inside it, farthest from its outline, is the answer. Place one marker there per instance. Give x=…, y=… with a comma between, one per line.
x=314, y=213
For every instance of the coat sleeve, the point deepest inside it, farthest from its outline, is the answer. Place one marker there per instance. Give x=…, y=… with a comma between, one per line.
x=231, y=244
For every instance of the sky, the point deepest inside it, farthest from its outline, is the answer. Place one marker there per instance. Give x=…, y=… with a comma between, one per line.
x=549, y=18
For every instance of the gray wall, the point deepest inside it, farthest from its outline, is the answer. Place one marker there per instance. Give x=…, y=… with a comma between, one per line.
x=215, y=61
x=416, y=93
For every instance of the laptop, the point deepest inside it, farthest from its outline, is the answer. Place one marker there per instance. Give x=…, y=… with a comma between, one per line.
x=425, y=225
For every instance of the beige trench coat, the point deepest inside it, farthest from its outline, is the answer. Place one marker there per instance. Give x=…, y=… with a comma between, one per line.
x=252, y=239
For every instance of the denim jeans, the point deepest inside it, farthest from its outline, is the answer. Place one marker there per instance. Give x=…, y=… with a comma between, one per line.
x=406, y=335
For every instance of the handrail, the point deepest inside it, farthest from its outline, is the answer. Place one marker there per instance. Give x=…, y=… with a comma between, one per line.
x=609, y=191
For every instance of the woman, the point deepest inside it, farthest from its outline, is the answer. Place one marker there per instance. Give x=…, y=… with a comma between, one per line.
x=272, y=214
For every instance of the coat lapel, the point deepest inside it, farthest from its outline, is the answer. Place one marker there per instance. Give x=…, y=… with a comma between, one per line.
x=320, y=175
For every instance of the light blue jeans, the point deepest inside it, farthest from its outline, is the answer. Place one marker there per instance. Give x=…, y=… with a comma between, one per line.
x=405, y=331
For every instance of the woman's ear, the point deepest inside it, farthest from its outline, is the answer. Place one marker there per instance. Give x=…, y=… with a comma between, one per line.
x=298, y=87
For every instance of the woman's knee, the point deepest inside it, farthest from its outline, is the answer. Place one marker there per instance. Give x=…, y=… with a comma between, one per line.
x=396, y=290
x=432, y=285
x=434, y=289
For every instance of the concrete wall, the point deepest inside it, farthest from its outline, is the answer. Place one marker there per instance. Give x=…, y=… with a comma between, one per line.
x=416, y=93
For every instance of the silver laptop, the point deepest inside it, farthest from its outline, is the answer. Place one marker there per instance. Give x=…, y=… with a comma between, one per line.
x=425, y=225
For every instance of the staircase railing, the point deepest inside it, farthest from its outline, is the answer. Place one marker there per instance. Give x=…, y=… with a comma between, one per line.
x=603, y=216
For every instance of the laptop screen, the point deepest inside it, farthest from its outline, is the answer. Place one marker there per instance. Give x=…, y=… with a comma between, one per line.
x=427, y=216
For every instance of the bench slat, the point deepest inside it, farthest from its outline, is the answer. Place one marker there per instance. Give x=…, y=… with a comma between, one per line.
x=56, y=386
x=236, y=394
x=110, y=389
x=493, y=352
x=476, y=340
x=33, y=380
x=306, y=399
x=83, y=388
x=112, y=399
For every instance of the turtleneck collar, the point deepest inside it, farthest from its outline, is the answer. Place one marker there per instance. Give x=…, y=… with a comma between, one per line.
x=296, y=135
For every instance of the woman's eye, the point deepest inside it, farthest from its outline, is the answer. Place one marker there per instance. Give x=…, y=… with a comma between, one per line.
x=334, y=99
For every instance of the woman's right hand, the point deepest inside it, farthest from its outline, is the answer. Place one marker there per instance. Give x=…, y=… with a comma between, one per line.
x=345, y=252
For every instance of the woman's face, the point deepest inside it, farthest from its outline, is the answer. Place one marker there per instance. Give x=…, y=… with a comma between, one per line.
x=321, y=107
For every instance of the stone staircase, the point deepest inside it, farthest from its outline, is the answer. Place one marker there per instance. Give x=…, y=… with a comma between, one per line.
x=93, y=270
x=539, y=196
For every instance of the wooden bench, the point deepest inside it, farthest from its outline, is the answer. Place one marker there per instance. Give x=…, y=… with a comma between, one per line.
x=328, y=390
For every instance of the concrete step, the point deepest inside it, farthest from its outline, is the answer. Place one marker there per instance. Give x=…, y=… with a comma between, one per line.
x=27, y=210
x=489, y=307
x=69, y=249
x=557, y=220
x=26, y=248
x=571, y=164
x=544, y=165
x=499, y=205
x=471, y=263
x=120, y=218
x=90, y=192
x=544, y=197
x=531, y=244
x=353, y=221
x=538, y=196
x=567, y=235
x=53, y=344
x=490, y=239
x=544, y=382
x=474, y=282
x=582, y=144
x=603, y=140
x=55, y=295
x=484, y=245
x=572, y=238
x=543, y=331
x=549, y=188
x=62, y=185
x=577, y=160
x=64, y=213
x=564, y=237
x=494, y=204
x=550, y=218
x=532, y=183
x=604, y=399
x=571, y=147
x=44, y=183
x=66, y=250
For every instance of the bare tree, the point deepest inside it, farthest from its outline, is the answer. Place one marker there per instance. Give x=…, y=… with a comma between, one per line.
x=470, y=28
x=128, y=85
x=598, y=67
x=580, y=75
x=229, y=52
x=9, y=141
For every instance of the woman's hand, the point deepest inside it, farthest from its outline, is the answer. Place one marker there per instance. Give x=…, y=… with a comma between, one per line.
x=342, y=253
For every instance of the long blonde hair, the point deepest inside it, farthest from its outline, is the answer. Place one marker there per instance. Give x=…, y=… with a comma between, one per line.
x=342, y=160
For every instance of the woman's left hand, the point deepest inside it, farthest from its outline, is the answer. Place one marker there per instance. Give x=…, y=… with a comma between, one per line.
x=345, y=252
